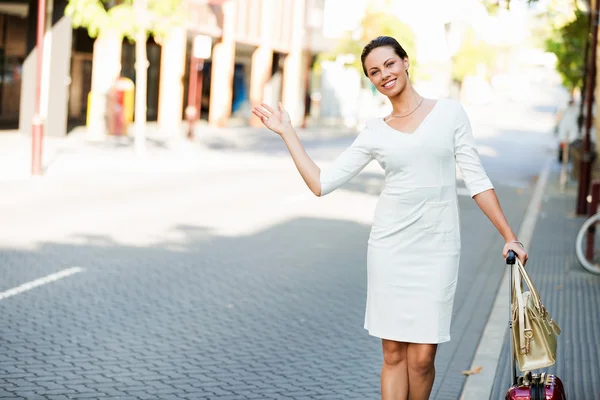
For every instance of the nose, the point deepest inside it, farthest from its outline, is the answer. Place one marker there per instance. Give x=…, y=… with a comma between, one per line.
x=385, y=74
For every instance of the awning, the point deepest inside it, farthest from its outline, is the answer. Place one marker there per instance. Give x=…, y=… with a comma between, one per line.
x=19, y=8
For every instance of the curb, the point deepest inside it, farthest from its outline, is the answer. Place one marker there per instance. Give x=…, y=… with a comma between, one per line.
x=489, y=351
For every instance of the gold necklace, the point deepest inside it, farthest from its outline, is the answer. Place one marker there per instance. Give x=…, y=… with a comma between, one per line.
x=406, y=115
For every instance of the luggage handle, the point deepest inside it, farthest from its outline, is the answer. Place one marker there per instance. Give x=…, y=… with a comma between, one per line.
x=511, y=260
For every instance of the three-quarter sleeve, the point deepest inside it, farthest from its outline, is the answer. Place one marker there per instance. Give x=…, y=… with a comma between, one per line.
x=347, y=165
x=467, y=157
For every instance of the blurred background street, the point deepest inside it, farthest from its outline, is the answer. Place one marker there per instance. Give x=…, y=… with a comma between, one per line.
x=170, y=249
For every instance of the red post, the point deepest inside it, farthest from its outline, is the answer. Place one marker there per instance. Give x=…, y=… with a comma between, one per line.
x=586, y=156
x=37, y=127
x=192, y=111
x=199, y=77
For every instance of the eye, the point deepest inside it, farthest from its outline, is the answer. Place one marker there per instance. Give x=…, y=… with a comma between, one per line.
x=374, y=72
x=391, y=63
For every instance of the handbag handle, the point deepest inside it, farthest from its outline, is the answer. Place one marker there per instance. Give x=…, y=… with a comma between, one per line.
x=521, y=314
x=534, y=293
x=525, y=333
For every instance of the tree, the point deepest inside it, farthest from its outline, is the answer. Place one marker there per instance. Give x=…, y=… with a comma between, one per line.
x=109, y=21
x=568, y=44
x=376, y=22
x=473, y=54
x=493, y=6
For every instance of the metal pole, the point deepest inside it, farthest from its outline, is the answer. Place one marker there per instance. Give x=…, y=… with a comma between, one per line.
x=511, y=259
x=308, y=54
x=37, y=127
x=586, y=157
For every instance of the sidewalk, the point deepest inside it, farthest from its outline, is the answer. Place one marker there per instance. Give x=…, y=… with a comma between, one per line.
x=570, y=293
x=78, y=153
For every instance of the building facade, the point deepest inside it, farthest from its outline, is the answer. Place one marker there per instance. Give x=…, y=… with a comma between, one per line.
x=261, y=50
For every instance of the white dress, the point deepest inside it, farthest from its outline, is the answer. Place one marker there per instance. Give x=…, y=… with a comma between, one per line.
x=414, y=244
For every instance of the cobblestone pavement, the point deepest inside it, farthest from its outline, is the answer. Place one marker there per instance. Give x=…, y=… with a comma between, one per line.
x=252, y=311
x=571, y=294
x=228, y=283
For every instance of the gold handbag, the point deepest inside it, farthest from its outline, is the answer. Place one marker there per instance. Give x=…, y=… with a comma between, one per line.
x=534, y=332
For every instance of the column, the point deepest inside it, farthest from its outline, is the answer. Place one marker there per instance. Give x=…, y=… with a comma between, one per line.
x=106, y=67
x=55, y=71
x=262, y=60
x=26, y=106
x=293, y=73
x=170, y=92
x=28, y=78
x=59, y=72
x=223, y=63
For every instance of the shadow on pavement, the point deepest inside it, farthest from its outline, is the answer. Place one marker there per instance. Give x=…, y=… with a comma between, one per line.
x=204, y=316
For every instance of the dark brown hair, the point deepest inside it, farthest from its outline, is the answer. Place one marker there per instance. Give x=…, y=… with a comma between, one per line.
x=382, y=41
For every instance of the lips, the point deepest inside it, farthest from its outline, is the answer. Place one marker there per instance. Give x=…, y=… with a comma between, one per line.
x=390, y=84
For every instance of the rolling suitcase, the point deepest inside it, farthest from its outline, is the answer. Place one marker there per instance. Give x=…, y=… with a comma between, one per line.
x=529, y=386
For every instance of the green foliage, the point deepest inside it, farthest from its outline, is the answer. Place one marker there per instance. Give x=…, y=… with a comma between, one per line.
x=472, y=54
x=98, y=16
x=568, y=44
x=493, y=6
x=165, y=14
x=90, y=14
x=323, y=56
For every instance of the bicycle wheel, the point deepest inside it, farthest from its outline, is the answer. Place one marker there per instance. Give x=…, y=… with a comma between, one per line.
x=581, y=242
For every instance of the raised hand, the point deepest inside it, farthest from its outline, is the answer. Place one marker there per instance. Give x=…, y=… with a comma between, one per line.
x=275, y=120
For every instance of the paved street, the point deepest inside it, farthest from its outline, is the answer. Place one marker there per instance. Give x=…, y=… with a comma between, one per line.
x=217, y=279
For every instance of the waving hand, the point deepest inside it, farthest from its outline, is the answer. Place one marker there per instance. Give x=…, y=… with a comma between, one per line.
x=275, y=120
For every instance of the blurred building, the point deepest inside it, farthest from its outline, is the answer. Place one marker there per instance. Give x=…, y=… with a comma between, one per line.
x=262, y=50
x=14, y=33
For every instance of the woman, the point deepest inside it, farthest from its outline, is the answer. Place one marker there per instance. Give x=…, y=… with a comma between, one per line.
x=414, y=244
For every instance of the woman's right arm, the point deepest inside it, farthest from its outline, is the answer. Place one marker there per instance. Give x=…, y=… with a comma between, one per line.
x=309, y=171
x=320, y=182
x=324, y=181
x=279, y=122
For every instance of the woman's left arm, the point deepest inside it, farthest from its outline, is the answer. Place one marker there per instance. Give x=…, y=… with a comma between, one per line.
x=479, y=185
x=489, y=204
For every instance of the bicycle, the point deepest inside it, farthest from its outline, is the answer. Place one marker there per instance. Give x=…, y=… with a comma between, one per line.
x=584, y=245
x=585, y=242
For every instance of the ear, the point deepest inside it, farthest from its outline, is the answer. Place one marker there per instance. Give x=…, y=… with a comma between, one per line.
x=406, y=63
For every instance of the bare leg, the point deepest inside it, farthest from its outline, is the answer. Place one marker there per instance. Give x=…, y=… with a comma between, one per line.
x=421, y=370
x=394, y=374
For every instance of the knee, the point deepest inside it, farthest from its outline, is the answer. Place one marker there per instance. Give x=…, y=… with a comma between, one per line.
x=423, y=364
x=394, y=354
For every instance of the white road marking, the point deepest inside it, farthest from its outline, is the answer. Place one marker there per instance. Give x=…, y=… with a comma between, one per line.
x=490, y=347
x=39, y=282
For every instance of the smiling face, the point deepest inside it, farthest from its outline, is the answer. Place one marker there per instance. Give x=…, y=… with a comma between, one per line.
x=386, y=70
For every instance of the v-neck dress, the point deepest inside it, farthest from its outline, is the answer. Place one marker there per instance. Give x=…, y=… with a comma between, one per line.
x=414, y=244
